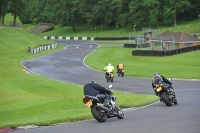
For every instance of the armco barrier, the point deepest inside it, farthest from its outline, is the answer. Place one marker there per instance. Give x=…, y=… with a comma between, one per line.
x=41, y=48
x=164, y=53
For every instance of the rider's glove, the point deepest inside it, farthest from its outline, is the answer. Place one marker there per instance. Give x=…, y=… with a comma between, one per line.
x=108, y=92
x=163, y=85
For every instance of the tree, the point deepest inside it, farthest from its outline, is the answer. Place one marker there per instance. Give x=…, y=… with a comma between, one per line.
x=99, y=11
x=113, y=12
x=138, y=13
x=30, y=11
x=15, y=7
x=154, y=11
x=26, y=14
x=193, y=10
x=104, y=12
x=85, y=9
x=3, y=9
x=173, y=7
x=124, y=13
x=70, y=14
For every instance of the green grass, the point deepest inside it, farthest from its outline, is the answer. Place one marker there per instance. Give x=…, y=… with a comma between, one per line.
x=27, y=99
x=185, y=65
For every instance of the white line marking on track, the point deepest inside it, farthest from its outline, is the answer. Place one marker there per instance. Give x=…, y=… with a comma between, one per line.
x=194, y=89
x=132, y=109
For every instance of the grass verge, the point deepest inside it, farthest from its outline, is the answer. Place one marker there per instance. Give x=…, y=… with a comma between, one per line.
x=186, y=65
x=28, y=99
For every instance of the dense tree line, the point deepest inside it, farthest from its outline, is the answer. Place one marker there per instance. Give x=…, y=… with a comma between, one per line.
x=118, y=13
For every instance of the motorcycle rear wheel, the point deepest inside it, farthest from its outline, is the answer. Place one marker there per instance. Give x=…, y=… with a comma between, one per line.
x=122, y=74
x=98, y=115
x=166, y=99
x=111, y=79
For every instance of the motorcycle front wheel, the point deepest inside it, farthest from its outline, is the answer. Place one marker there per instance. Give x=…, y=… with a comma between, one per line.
x=98, y=114
x=107, y=79
x=165, y=99
x=120, y=113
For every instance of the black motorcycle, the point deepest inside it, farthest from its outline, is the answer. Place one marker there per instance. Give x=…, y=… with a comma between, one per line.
x=100, y=111
x=167, y=95
x=120, y=72
x=110, y=77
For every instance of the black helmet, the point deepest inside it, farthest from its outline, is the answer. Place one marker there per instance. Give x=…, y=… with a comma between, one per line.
x=92, y=81
x=156, y=74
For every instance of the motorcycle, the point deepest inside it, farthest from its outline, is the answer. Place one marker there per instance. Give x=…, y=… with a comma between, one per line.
x=120, y=72
x=110, y=77
x=168, y=97
x=101, y=112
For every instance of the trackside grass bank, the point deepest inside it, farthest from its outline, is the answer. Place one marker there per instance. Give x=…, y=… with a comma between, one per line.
x=186, y=65
x=28, y=99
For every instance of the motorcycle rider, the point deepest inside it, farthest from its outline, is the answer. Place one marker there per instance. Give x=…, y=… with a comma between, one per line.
x=119, y=67
x=108, y=69
x=94, y=89
x=159, y=79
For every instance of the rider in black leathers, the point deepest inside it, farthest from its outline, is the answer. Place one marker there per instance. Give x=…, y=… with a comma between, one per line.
x=159, y=79
x=94, y=89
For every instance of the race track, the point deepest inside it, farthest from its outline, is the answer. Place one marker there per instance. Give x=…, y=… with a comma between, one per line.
x=68, y=66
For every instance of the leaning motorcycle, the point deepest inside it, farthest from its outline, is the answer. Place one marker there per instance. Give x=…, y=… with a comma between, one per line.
x=101, y=112
x=110, y=77
x=121, y=72
x=168, y=97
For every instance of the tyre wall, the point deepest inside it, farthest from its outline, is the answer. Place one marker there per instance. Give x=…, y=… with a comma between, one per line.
x=68, y=38
x=134, y=45
x=164, y=53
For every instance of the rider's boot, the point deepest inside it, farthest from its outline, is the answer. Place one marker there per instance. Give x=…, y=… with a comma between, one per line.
x=156, y=93
x=160, y=97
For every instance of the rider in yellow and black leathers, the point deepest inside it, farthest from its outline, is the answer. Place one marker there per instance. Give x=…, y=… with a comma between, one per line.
x=108, y=69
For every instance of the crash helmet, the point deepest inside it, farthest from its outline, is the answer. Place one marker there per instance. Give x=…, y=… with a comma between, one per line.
x=156, y=74
x=92, y=82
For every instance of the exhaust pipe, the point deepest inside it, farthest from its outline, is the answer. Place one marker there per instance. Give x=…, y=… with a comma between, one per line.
x=102, y=107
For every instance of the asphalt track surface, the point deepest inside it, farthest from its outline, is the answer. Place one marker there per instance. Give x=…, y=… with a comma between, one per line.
x=68, y=65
